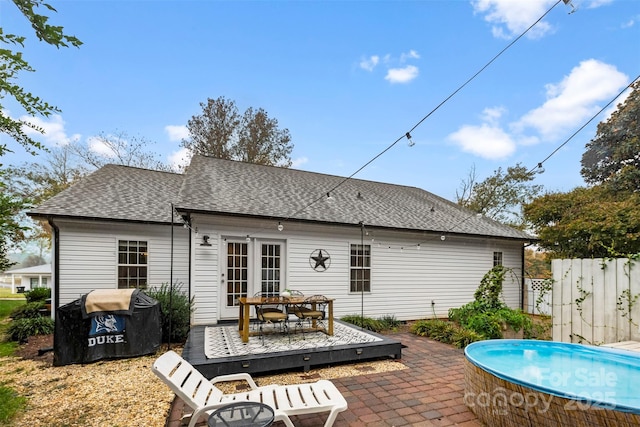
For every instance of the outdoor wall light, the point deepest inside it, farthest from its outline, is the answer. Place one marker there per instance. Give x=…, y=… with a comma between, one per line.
x=358, y=351
x=280, y=226
x=443, y=237
x=205, y=241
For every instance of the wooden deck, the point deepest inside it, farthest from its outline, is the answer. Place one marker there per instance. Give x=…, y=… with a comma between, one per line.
x=277, y=353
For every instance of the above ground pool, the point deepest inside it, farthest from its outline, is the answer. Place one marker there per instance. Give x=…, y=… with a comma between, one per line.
x=529, y=382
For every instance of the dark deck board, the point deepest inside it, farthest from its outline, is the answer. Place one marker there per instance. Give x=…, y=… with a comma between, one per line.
x=303, y=359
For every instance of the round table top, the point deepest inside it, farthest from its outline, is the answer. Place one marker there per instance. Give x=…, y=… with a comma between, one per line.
x=242, y=414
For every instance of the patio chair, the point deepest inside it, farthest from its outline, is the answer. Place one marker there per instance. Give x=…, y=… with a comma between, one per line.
x=273, y=311
x=311, y=309
x=204, y=397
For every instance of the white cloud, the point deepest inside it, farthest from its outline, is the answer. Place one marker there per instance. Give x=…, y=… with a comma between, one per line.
x=394, y=75
x=631, y=22
x=402, y=75
x=370, y=63
x=597, y=3
x=575, y=99
x=98, y=146
x=412, y=54
x=176, y=133
x=179, y=159
x=510, y=18
x=492, y=115
x=489, y=142
x=296, y=163
x=54, y=132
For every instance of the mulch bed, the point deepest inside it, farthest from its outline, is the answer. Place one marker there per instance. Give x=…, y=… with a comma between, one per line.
x=30, y=349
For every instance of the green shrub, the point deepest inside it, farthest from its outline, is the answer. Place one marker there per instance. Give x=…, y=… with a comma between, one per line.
x=28, y=310
x=436, y=329
x=389, y=322
x=463, y=337
x=21, y=329
x=37, y=294
x=485, y=324
x=363, y=322
x=175, y=311
x=487, y=314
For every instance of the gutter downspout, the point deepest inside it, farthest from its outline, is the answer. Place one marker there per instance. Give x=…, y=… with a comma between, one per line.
x=56, y=276
x=56, y=265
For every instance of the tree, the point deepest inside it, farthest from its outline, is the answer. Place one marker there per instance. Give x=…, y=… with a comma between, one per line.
x=118, y=148
x=537, y=264
x=10, y=229
x=13, y=63
x=501, y=195
x=612, y=157
x=39, y=181
x=586, y=223
x=221, y=132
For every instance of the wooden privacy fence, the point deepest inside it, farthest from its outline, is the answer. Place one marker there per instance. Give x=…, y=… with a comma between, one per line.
x=596, y=301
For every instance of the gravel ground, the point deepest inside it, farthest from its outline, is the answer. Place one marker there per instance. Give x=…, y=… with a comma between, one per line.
x=118, y=392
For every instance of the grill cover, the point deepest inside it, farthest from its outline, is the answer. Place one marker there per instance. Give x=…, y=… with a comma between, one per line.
x=104, y=334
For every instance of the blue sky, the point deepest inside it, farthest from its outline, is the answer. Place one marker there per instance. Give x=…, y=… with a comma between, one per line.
x=347, y=78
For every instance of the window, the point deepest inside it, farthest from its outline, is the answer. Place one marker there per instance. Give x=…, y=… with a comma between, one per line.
x=34, y=282
x=270, y=268
x=360, y=268
x=497, y=258
x=132, y=264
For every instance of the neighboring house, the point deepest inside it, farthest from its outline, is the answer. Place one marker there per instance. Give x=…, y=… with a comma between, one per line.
x=239, y=228
x=26, y=279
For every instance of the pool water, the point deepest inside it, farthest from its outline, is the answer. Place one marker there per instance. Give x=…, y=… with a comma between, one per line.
x=598, y=375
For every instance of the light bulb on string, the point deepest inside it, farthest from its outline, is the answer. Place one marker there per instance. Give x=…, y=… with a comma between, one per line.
x=330, y=198
x=410, y=143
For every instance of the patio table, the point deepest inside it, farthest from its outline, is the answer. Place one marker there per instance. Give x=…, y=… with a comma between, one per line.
x=245, y=303
x=242, y=414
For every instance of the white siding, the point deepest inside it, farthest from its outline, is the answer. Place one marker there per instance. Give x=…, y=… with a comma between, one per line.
x=89, y=255
x=404, y=279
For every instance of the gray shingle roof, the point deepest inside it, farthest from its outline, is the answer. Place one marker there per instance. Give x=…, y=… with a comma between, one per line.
x=117, y=192
x=237, y=188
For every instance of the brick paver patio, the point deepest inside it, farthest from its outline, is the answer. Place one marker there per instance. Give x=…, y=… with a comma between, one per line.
x=429, y=393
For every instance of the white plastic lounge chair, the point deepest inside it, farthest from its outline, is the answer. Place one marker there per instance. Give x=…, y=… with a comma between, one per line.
x=286, y=400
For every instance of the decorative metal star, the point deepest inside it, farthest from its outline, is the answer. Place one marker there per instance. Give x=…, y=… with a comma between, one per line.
x=320, y=260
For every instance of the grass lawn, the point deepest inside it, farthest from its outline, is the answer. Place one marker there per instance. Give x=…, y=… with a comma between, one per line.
x=6, y=306
x=6, y=293
x=11, y=402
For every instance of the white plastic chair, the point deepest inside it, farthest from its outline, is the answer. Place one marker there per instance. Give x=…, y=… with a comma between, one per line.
x=286, y=400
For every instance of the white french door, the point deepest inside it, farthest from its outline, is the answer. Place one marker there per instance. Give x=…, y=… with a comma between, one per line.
x=242, y=276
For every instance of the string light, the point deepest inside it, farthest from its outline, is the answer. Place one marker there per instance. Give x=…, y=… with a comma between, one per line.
x=330, y=198
x=411, y=143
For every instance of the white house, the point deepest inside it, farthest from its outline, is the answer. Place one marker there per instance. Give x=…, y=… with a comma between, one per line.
x=28, y=278
x=226, y=229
